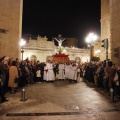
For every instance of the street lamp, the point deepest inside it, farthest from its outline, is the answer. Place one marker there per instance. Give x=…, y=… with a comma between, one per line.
x=22, y=43
x=90, y=39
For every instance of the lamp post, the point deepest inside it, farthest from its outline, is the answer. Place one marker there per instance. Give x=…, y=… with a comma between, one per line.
x=90, y=39
x=22, y=43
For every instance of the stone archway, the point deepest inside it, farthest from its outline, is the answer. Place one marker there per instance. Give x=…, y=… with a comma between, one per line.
x=33, y=57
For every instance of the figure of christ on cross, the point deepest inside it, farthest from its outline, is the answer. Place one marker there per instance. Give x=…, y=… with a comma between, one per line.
x=59, y=41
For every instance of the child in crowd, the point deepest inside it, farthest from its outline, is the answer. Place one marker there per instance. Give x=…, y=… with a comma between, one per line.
x=38, y=75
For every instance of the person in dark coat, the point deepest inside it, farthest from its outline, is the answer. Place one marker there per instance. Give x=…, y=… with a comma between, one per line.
x=1, y=88
x=118, y=72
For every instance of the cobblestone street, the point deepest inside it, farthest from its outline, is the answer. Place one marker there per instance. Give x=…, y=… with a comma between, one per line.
x=60, y=100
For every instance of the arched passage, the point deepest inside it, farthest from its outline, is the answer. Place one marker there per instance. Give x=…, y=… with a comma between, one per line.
x=33, y=57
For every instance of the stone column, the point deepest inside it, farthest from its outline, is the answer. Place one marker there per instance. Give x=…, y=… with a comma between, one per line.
x=105, y=27
x=115, y=29
x=110, y=28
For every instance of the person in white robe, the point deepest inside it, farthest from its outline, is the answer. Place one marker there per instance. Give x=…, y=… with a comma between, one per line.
x=70, y=75
x=45, y=72
x=78, y=74
x=67, y=71
x=74, y=72
x=61, y=69
x=50, y=73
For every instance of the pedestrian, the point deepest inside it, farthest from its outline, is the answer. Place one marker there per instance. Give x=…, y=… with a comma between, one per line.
x=38, y=75
x=118, y=81
x=1, y=89
x=13, y=74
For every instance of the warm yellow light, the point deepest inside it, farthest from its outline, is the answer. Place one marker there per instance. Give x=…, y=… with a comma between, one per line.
x=22, y=42
x=98, y=51
x=91, y=38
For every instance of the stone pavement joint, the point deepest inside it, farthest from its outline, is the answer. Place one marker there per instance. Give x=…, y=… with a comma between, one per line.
x=59, y=101
x=62, y=113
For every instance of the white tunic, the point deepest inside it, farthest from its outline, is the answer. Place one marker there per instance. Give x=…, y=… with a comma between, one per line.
x=66, y=71
x=61, y=71
x=45, y=73
x=74, y=72
x=78, y=75
x=70, y=76
x=50, y=73
x=38, y=73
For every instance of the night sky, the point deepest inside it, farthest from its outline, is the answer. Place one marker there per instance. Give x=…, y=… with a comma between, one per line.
x=71, y=18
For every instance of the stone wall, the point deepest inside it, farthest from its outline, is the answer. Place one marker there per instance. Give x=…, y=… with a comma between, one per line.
x=115, y=28
x=110, y=27
x=41, y=48
x=11, y=24
x=105, y=27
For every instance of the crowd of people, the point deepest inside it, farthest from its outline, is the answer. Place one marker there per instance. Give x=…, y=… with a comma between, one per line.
x=16, y=73
x=103, y=74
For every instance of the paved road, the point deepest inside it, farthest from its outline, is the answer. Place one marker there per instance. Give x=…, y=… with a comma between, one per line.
x=60, y=101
